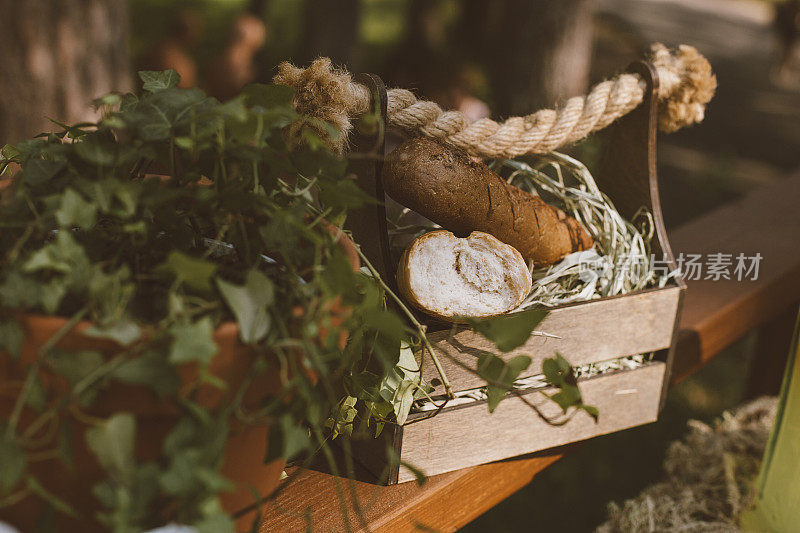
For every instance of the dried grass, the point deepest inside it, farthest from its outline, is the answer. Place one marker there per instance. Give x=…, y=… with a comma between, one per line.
x=709, y=477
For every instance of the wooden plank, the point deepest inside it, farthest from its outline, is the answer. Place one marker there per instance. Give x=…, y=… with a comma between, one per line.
x=716, y=314
x=608, y=328
x=472, y=435
x=312, y=499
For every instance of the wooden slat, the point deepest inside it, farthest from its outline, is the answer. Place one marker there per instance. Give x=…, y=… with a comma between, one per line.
x=715, y=315
x=610, y=327
x=471, y=435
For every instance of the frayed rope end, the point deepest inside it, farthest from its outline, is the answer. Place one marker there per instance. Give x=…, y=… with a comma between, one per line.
x=323, y=94
x=687, y=84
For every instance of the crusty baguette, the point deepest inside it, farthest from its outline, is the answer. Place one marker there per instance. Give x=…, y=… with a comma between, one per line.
x=448, y=277
x=462, y=195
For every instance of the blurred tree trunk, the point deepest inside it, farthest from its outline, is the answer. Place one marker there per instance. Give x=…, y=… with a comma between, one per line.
x=331, y=30
x=420, y=59
x=57, y=56
x=540, y=53
x=477, y=26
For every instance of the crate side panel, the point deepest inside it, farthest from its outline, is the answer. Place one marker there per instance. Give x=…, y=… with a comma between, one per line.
x=469, y=436
x=588, y=332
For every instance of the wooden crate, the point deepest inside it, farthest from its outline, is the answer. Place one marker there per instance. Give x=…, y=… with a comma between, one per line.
x=588, y=332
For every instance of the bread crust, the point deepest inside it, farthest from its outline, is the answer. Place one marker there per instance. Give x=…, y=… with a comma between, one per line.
x=518, y=275
x=463, y=195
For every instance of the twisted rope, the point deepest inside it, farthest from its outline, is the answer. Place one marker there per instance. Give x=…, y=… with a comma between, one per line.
x=324, y=94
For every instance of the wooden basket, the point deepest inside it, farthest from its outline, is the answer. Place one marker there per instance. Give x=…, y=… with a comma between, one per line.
x=593, y=331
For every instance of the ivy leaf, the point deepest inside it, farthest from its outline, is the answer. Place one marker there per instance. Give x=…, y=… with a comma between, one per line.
x=39, y=171
x=128, y=102
x=389, y=330
x=123, y=332
x=401, y=383
x=558, y=373
x=193, y=342
x=12, y=462
x=249, y=304
x=341, y=420
x=509, y=331
x=380, y=410
x=11, y=337
x=214, y=520
x=567, y=397
x=101, y=152
x=213, y=480
x=268, y=96
x=234, y=111
x=111, y=99
x=320, y=163
x=64, y=255
x=338, y=278
x=158, y=80
x=344, y=194
x=30, y=149
x=154, y=125
x=197, y=431
x=75, y=131
x=282, y=231
x=287, y=439
x=145, y=490
x=22, y=292
x=74, y=366
x=185, y=143
x=194, y=272
x=75, y=211
x=500, y=375
x=113, y=444
x=186, y=474
x=312, y=139
x=128, y=195
x=9, y=152
x=363, y=385
x=150, y=369
x=591, y=410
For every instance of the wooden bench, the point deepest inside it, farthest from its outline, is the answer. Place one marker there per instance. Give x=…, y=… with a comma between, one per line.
x=716, y=314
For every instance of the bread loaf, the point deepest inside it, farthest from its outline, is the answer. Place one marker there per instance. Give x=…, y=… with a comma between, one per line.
x=449, y=277
x=462, y=195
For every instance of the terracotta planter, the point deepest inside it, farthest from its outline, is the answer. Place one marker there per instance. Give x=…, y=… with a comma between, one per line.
x=244, y=451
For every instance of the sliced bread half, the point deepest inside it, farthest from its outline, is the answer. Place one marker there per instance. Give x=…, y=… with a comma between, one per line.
x=449, y=277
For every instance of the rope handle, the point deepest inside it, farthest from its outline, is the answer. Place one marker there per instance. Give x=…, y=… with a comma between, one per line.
x=325, y=93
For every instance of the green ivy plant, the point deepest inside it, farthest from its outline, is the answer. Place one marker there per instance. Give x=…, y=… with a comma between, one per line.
x=171, y=215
